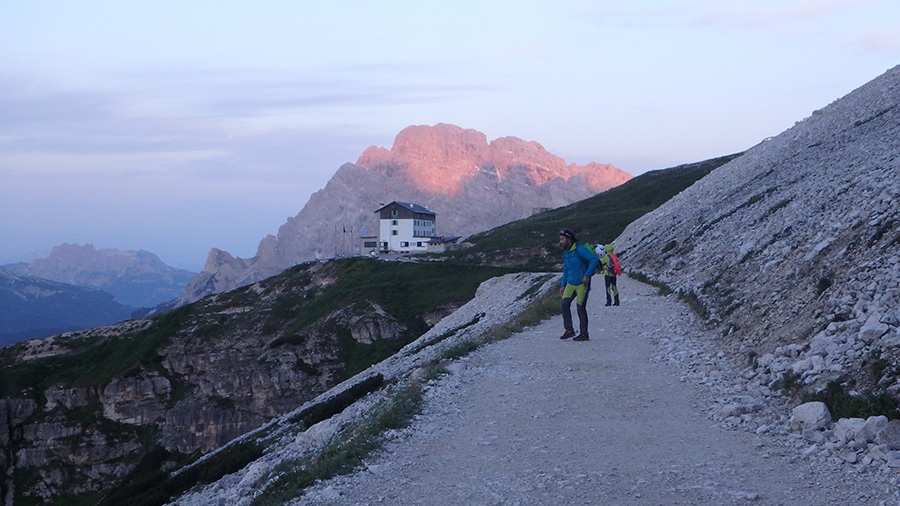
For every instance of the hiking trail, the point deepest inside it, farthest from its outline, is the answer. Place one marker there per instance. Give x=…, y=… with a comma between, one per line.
x=617, y=420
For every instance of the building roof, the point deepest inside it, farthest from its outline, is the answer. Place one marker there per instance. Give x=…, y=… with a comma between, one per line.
x=416, y=208
x=444, y=239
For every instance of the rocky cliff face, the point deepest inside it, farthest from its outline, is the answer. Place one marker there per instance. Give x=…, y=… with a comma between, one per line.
x=471, y=184
x=135, y=278
x=794, y=248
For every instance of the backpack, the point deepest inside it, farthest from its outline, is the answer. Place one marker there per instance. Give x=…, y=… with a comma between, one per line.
x=590, y=247
x=614, y=263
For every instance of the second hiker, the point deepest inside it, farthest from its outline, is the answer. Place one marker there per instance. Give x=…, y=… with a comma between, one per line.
x=609, y=266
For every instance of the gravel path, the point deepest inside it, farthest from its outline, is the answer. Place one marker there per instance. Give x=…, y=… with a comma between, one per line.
x=535, y=420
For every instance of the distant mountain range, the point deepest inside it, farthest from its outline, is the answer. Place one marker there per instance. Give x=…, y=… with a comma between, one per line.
x=472, y=185
x=135, y=278
x=34, y=307
x=79, y=287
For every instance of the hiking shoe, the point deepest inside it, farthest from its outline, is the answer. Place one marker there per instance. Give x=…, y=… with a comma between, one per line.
x=581, y=337
x=567, y=334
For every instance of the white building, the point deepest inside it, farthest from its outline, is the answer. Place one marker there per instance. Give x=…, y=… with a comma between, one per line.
x=405, y=228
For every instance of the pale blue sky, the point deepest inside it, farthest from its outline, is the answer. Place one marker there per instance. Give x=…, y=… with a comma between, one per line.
x=180, y=126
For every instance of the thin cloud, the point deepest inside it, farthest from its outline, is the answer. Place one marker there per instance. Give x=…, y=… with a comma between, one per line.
x=201, y=111
x=789, y=17
x=882, y=39
x=785, y=17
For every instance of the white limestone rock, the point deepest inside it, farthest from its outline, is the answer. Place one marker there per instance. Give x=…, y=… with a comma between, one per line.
x=811, y=415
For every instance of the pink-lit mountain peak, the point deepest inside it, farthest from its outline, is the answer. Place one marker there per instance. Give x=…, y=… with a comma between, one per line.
x=440, y=158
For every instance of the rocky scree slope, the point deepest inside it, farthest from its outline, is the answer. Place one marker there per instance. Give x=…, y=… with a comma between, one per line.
x=80, y=411
x=471, y=184
x=793, y=251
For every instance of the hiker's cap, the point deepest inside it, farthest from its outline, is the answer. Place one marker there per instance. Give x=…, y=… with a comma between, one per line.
x=567, y=233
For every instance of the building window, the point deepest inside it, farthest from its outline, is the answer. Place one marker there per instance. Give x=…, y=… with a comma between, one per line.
x=419, y=244
x=393, y=212
x=404, y=244
x=393, y=222
x=393, y=232
x=370, y=244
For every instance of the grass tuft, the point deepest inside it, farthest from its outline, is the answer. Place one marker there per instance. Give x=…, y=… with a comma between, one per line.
x=693, y=302
x=347, y=449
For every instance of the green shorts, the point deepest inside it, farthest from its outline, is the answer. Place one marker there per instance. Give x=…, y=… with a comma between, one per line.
x=580, y=292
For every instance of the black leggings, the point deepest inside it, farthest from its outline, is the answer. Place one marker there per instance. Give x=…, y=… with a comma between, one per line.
x=611, y=288
x=581, y=309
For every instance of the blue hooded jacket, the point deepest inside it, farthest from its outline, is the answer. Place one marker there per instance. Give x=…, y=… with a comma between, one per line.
x=578, y=262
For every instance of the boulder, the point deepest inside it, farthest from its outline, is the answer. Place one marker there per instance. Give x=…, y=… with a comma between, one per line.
x=889, y=435
x=873, y=329
x=811, y=415
x=848, y=429
x=873, y=425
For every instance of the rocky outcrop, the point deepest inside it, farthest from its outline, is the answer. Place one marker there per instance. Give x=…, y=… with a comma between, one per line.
x=471, y=184
x=792, y=249
x=136, y=400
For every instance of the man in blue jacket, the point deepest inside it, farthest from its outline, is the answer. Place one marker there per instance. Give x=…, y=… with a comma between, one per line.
x=579, y=265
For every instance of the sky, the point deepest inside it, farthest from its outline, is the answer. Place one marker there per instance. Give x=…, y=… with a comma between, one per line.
x=179, y=126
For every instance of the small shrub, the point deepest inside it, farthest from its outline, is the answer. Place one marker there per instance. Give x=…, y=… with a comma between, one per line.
x=822, y=285
x=877, y=367
x=541, y=309
x=693, y=302
x=462, y=349
x=789, y=383
x=843, y=405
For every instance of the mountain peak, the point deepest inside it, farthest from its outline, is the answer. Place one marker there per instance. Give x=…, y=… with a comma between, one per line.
x=439, y=159
x=135, y=278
